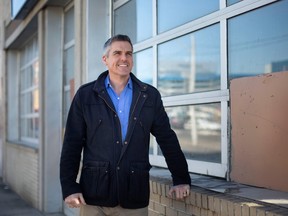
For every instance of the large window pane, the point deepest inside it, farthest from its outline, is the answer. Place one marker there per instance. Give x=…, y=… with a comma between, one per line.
x=258, y=41
x=173, y=13
x=29, y=92
x=134, y=19
x=68, y=62
x=143, y=67
x=68, y=65
x=190, y=63
x=198, y=129
x=69, y=25
x=230, y=2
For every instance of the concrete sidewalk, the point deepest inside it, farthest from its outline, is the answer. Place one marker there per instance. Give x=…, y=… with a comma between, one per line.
x=12, y=204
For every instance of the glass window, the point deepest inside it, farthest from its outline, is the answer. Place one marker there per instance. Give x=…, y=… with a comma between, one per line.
x=198, y=128
x=258, y=41
x=143, y=67
x=29, y=92
x=134, y=19
x=173, y=13
x=68, y=65
x=190, y=63
x=69, y=25
x=68, y=62
x=231, y=2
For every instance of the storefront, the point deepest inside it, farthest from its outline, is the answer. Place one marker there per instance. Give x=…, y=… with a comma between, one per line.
x=189, y=50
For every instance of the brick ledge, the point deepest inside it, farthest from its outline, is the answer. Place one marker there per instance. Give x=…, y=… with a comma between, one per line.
x=203, y=201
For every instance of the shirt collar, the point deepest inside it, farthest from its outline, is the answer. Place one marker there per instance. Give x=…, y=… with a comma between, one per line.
x=108, y=85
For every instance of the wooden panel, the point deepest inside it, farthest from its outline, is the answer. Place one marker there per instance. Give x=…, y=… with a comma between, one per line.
x=259, y=116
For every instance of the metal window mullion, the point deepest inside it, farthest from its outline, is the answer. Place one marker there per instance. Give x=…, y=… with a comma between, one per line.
x=223, y=54
x=202, y=22
x=222, y=4
x=197, y=98
x=28, y=90
x=154, y=18
x=154, y=59
x=155, y=81
x=224, y=134
x=224, y=86
x=29, y=115
x=28, y=64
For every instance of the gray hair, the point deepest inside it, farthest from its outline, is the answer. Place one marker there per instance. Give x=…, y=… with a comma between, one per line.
x=119, y=37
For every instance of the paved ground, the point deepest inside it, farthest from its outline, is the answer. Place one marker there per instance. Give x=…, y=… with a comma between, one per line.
x=12, y=205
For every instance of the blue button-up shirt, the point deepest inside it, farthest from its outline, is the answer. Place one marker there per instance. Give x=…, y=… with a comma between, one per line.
x=122, y=103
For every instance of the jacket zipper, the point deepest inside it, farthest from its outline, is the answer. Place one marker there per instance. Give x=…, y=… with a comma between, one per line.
x=117, y=170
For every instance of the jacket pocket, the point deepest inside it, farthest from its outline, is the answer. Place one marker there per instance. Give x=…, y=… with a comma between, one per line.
x=138, y=188
x=95, y=180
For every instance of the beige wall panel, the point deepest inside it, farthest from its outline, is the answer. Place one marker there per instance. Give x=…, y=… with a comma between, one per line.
x=22, y=172
x=259, y=116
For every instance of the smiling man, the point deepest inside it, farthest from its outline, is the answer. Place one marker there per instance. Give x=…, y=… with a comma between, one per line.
x=110, y=120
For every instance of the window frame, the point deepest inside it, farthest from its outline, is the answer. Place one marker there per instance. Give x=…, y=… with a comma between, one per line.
x=34, y=140
x=66, y=46
x=221, y=96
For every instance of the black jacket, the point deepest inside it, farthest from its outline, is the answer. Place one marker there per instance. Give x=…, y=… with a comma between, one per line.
x=115, y=173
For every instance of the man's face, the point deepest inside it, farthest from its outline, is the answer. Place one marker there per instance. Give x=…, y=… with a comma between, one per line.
x=119, y=59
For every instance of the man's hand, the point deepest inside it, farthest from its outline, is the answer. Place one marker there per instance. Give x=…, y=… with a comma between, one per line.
x=75, y=200
x=181, y=191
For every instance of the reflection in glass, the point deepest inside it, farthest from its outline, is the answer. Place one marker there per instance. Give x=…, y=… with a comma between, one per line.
x=143, y=68
x=258, y=41
x=68, y=65
x=190, y=63
x=198, y=128
x=231, y=2
x=134, y=19
x=173, y=13
x=69, y=25
x=66, y=104
x=29, y=91
x=29, y=128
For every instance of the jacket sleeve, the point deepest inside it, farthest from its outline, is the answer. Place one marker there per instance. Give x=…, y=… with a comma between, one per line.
x=74, y=139
x=169, y=144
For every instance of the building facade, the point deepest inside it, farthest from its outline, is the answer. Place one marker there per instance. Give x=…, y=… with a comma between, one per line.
x=192, y=51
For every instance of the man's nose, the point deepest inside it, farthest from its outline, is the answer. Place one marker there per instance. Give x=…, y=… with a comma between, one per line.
x=123, y=57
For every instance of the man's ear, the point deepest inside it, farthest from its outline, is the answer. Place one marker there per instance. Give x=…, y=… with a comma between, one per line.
x=104, y=58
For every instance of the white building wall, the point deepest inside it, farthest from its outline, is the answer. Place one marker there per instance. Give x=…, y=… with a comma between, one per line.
x=4, y=14
x=50, y=40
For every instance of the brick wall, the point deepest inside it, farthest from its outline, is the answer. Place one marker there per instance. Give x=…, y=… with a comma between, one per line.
x=22, y=172
x=202, y=202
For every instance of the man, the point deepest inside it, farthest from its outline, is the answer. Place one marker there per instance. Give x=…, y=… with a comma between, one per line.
x=111, y=119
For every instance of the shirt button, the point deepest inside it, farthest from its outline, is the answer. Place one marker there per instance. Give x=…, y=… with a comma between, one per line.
x=118, y=168
x=125, y=142
x=117, y=142
x=135, y=118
